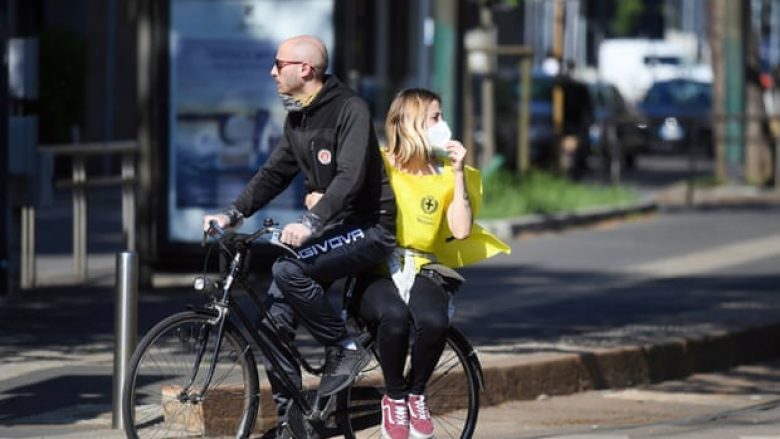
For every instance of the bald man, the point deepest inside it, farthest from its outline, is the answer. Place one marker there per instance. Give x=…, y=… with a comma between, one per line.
x=349, y=225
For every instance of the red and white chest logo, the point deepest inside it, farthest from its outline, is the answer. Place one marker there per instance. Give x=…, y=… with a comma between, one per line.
x=324, y=156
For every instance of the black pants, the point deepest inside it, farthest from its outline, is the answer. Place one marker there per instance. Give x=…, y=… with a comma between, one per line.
x=298, y=294
x=382, y=307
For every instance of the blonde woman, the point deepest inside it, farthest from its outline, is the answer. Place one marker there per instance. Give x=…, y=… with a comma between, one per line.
x=437, y=197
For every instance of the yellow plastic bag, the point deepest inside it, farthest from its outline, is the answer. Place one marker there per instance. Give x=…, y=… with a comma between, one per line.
x=421, y=222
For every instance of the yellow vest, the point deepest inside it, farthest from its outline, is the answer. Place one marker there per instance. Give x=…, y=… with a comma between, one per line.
x=421, y=219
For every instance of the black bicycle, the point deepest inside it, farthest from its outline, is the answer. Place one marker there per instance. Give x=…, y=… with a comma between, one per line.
x=194, y=373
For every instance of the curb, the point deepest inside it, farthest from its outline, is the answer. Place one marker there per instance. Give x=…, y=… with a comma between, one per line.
x=560, y=370
x=511, y=228
x=510, y=377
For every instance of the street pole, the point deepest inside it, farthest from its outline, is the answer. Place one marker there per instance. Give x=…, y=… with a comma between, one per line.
x=5, y=278
x=445, y=60
x=777, y=161
x=734, y=71
x=557, y=97
x=125, y=328
x=145, y=56
x=524, y=117
x=488, y=91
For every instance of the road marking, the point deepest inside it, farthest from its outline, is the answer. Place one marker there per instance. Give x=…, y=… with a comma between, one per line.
x=712, y=259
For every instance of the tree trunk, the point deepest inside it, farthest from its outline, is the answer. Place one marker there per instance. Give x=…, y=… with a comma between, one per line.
x=716, y=24
x=758, y=153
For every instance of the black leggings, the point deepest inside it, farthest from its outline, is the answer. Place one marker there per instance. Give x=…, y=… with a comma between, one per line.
x=382, y=308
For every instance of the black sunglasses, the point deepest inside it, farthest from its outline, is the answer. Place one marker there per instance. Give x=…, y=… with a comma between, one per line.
x=280, y=64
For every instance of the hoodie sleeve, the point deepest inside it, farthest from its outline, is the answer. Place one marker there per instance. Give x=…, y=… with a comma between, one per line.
x=269, y=181
x=354, y=140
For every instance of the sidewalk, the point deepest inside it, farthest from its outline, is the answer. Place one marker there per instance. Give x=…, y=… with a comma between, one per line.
x=55, y=375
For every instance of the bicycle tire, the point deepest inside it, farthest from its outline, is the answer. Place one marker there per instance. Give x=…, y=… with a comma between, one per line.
x=154, y=402
x=452, y=394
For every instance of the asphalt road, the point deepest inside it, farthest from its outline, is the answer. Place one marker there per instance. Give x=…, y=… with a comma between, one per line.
x=660, y=272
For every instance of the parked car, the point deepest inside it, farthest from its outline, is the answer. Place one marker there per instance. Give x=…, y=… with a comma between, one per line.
x=542, y=137
x=678, y=115
x=617, y=126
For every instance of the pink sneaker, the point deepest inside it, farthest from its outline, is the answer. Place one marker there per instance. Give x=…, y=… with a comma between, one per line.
x=420, y=424
x=395, y=419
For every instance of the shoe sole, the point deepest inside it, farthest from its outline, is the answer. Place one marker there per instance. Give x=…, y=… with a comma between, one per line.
x=360, y=365
x=414, y=434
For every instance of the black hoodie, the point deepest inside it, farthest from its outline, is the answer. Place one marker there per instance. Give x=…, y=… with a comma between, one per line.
x=332, y=141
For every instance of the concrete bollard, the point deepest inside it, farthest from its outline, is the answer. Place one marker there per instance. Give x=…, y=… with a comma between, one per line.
x=125, y=328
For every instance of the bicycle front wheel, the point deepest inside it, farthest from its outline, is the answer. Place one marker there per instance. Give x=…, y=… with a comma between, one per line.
x=452, y=394
x=166, y=394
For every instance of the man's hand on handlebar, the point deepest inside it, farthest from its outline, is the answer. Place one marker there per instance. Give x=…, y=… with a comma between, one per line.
x=295, y=234
x=222, y=221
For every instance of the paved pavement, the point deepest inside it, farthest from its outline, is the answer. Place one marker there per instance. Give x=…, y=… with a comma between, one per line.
x=56, y=342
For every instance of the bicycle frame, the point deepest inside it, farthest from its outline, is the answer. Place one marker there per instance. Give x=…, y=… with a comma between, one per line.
x=222, y=308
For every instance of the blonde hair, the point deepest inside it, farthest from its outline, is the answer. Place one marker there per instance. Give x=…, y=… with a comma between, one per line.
x=405, y=126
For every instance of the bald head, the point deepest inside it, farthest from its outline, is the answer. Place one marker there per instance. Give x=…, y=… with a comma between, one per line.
x=310, y=49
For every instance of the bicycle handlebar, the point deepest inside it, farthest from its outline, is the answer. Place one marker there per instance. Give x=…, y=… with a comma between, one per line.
x=269, y=227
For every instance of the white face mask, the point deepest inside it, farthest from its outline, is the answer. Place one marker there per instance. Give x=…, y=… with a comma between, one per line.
x=438, y=135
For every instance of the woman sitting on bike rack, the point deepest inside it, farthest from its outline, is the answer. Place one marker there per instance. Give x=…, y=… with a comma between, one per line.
x=437, y=199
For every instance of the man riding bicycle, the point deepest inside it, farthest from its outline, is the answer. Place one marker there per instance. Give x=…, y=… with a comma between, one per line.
x=328, y=135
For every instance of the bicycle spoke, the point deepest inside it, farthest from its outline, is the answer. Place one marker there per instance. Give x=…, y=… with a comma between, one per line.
x=450, y=430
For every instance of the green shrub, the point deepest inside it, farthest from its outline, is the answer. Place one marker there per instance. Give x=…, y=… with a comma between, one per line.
x=507, y=195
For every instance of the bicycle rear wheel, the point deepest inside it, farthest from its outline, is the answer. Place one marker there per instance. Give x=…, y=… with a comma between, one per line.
x=163, y=395
x=452, y=395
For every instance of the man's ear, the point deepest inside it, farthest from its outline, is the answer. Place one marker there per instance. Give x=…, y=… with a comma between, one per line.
x=307, y=71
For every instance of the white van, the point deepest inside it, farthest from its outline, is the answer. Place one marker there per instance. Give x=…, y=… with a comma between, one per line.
x=632, y=65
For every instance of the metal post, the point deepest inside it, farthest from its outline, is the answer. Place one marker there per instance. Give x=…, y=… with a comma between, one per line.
x=777, y=164
x=125, y=327
x=128, y=201
x=468, y=116
x=444, y=57
x=523, y=113
x=691, y=180
x=79, y=219
x=488, y=121
x=487, y=89
x=734, y=97
x=5, y=202
x=27, y=269
x=776, y=123
x=557, y=92
x=615, y=150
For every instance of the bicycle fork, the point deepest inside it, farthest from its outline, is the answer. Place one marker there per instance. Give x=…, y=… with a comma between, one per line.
x=222, y=312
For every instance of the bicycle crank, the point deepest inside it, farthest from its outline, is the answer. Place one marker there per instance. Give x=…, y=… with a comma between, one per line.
x=303, y=427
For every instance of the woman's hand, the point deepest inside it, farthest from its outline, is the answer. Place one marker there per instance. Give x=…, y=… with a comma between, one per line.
x=459, y=216
x=457, y=154
x=312, y=198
